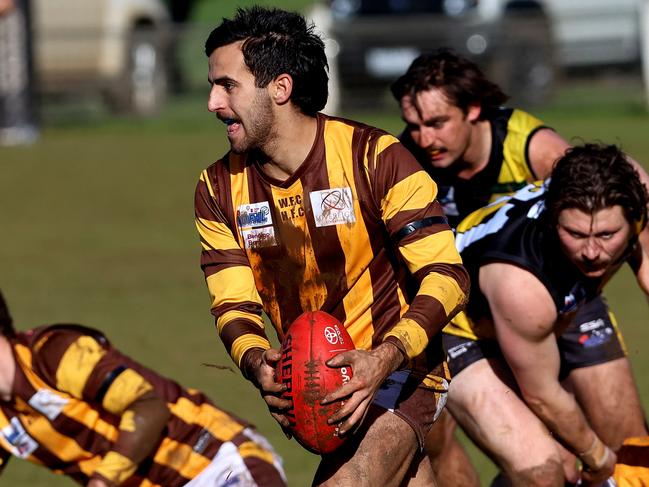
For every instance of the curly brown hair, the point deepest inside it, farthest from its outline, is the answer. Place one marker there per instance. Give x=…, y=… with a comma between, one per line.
x=461, y=80
x=591, y=177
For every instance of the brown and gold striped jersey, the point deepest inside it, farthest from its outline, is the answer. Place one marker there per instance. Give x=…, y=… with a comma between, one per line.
x=342, y=234
x=70, y=390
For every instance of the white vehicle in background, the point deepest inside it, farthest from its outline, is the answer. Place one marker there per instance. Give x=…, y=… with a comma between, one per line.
x=115, y=48
x=521, y=44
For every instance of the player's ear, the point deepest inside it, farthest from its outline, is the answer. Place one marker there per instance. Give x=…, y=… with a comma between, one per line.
x=473, y=112
x=281, y=88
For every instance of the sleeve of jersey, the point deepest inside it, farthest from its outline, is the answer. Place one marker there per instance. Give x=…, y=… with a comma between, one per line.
x=88, y=368
x=415, y=221
x=235, y=302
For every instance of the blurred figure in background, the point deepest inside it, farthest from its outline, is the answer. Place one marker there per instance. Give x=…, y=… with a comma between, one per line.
x=18, y=119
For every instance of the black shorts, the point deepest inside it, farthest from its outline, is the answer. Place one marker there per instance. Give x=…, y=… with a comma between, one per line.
x=591, y=338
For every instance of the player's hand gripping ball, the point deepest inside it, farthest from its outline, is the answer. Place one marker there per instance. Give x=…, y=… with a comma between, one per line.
x=312, y=339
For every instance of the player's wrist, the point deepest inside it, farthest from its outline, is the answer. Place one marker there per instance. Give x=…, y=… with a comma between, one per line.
x=596, y=456
x=392, y=354
x=251, y=362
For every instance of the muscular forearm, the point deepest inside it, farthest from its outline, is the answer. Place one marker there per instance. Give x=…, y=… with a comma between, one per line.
x=140, y=429
x=563, y=416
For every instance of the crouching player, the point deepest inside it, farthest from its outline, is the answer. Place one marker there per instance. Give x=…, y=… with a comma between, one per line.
x=73, y=403
x=534, y=259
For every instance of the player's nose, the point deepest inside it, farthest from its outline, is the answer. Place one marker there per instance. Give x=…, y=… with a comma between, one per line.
x=428, y=137
x=590, y=250
x=216, y=101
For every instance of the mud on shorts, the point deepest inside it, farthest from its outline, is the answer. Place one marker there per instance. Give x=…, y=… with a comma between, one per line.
x=248, y=460
x=403, y=394
x=591, y=338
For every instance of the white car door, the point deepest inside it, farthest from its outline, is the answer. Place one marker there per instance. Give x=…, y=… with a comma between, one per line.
x=68, y=36
x=595, y=32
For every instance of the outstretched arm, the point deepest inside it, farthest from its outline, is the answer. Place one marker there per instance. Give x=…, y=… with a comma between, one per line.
x=525, y=320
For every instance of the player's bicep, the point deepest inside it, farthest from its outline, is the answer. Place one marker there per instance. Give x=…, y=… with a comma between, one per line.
x=524, y=317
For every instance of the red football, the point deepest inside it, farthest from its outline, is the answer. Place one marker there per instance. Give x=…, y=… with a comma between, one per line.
x=312, y=339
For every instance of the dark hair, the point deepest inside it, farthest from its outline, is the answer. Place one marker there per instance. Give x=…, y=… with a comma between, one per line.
x=461, y=80
x=276, y=42
x=592, y=177
x=6, y=323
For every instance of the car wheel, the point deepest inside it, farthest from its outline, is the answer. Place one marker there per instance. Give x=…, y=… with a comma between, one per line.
x=524, y=66
x=143, y=86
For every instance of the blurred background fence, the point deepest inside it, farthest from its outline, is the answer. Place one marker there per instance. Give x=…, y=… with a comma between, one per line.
x=96, y=219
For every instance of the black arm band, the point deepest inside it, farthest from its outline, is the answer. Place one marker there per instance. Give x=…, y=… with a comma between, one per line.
x=417, y=224
x=110, y=378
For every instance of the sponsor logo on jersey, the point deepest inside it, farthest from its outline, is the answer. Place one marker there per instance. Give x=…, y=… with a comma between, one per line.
x=21, y=444
x=254, y=215
x=48, y=403
x=332, y=206
x=257, y=238
x=255, y=222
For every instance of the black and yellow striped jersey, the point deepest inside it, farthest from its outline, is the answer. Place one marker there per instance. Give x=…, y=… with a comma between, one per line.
x=340, y=235
x=70, y=390
x=507, y=170
x=513, y=230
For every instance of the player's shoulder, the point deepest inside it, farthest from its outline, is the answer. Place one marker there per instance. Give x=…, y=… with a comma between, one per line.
x=523, y=121
x=361, y=129
x=57, y=338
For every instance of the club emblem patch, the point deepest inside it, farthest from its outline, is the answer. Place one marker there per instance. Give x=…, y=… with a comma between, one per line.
x=333, y=206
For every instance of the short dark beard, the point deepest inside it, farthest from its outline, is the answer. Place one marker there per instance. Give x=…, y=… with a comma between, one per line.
x=260, y=127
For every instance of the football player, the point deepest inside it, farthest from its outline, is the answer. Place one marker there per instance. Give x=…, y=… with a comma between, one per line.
x=71, y=402
x=535, y=259
x=308, y=212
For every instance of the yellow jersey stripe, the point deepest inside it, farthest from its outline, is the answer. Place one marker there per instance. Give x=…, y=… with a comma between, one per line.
x=411, y=335
x=76, y=365
x=438, y=248
x=126, y=388
x=409, y=194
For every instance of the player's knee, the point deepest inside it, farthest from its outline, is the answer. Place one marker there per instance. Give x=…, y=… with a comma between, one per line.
x=546, y=474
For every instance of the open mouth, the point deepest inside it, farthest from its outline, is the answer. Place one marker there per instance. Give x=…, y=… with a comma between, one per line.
x=232, y=125
x=436, y=153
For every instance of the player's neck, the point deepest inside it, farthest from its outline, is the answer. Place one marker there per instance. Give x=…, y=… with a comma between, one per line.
x=476, y=157
x=7, y=369
x=291, y=145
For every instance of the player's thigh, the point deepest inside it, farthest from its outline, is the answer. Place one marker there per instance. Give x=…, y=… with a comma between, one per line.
x=485, y=402
x=608, y=396
x=381, y=453
x=441, y=434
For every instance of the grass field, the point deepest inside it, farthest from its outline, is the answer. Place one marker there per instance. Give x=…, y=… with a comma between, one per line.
x=97, y=227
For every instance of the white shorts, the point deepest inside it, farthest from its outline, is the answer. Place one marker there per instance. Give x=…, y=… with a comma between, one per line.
x=228, y=468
